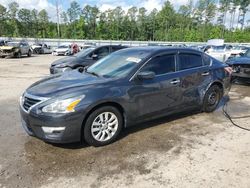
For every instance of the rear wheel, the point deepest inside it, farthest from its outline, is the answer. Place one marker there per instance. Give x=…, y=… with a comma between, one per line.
x=103, y=126
x=212, y=98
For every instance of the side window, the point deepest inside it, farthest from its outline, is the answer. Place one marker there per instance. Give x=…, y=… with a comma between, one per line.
x=206, y=59
x=161, y=64
x=115, y=48
x=101, y=52
x=187, y=61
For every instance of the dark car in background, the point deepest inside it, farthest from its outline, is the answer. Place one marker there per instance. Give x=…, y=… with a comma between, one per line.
x=241, y=66
x=84, y=58
x=127, y=87
x=3, y=42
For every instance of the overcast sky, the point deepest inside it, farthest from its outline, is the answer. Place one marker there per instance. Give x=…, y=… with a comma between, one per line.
x=103, y=5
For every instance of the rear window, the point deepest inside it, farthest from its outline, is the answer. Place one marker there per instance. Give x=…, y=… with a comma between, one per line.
x=187, y=61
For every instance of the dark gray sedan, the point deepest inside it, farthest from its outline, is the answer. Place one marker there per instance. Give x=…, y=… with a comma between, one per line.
x=124, y=88
x=83, y=58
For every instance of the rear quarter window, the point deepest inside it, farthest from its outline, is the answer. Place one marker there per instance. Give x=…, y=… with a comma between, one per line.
x=188, y=60
x=206, y=60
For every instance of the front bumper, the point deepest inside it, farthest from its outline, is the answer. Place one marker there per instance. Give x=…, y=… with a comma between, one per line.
x=242, y=72
x=7, y=54
x=68, y=127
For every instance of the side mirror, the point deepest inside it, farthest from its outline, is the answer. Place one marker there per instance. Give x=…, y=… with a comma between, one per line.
x=147, y=75
x=82, y=69
x=94, y=56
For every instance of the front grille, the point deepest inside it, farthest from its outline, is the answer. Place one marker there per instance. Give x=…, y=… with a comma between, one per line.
x=7, y=51
x=29, y=102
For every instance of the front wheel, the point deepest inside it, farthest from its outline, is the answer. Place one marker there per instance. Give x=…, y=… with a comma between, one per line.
x=212, y=98
x=103, y=126
x=18, y=55
x=29, y=53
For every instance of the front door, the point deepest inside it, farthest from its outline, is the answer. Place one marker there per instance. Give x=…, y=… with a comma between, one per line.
x=160, y=94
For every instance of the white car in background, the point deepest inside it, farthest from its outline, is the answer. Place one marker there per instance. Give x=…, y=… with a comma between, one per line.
x=238, y=50
x=39, y=48
x=221, y=53
x=218, y=50
x=64, y=49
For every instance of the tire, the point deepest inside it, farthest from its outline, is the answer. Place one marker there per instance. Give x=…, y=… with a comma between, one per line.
x=100, y=134
x=29, y=53
x=212, y=98
x=18, y=55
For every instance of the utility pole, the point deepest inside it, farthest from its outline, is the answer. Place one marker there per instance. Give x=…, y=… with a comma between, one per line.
x=58, y=18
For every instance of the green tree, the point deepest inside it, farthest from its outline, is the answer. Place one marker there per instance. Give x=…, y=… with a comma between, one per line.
x=43, y=20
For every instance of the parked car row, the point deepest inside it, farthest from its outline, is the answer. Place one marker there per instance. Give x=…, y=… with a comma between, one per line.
x=221, y=51
x=121, y=89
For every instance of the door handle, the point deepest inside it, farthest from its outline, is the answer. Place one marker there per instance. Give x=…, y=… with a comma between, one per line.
x=175, y=81
x=205, y=73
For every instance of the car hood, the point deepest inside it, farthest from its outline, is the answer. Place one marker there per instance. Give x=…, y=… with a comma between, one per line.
x=6, y=47
x=69, y=59
x=67, y=82
x=239, y=60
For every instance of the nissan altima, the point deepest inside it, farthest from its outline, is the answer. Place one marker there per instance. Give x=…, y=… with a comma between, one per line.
x=124, y=88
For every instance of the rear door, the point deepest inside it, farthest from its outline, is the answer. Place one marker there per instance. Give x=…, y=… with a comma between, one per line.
x=194, y=73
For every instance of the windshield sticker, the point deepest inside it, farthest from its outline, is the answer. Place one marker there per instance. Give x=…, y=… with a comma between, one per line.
x=134, y=59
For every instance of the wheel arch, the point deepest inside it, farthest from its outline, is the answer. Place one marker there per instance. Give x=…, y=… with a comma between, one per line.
x=218, y=83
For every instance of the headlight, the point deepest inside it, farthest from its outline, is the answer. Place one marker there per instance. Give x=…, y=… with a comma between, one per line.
x=60, y=65
x=63, y=106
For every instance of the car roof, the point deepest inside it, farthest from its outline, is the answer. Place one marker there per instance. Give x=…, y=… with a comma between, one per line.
x=159, y=49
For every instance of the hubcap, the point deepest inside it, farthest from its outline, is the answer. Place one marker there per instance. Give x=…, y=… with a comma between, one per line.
x=104, y=126
x=212, y=98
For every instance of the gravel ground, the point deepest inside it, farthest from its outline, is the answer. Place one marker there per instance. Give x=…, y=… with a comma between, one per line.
x=187, y=150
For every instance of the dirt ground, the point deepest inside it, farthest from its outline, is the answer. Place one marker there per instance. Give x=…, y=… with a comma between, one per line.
x=188, y=150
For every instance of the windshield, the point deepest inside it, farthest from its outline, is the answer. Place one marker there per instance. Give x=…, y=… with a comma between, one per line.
x=219, y=48
x=247, y=54
x=118, y=64
x=84, y=52
x=14, y=44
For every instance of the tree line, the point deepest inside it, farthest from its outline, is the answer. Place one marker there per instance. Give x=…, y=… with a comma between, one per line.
x=200, y=21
